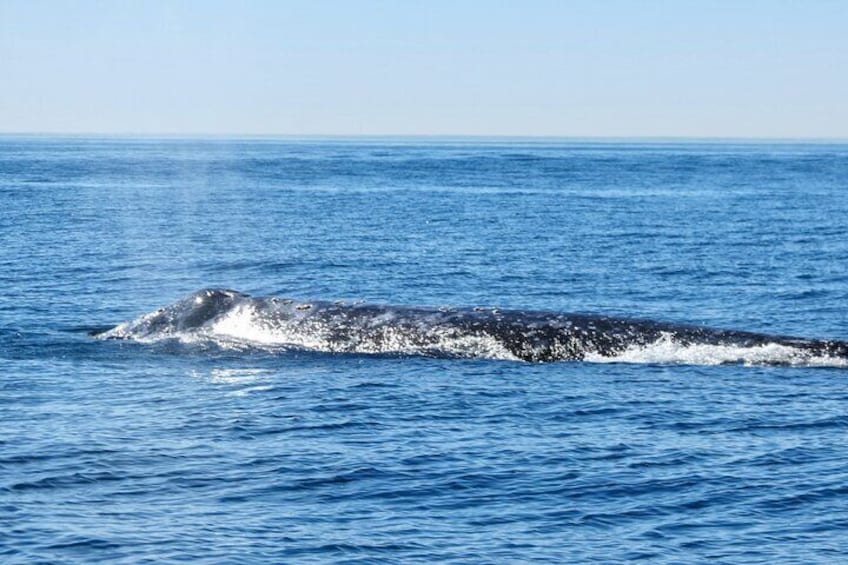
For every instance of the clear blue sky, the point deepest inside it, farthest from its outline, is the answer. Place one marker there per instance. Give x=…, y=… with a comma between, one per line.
x=733, y=68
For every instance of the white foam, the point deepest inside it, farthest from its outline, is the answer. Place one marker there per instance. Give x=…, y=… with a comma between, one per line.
x=667, y=351
x=242, y=324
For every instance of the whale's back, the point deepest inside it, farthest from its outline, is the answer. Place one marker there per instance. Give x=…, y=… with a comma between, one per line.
x=227, y=317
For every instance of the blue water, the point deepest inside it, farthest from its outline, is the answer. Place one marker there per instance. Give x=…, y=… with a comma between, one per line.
x=116, y=451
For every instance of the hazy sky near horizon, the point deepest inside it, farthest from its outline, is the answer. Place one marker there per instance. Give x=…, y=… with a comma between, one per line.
x=717, y=68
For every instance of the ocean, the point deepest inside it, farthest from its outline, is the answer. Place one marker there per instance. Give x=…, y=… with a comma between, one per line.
x=221, y=446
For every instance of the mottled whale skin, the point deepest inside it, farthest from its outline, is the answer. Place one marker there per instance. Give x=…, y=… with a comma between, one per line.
x=371, y=328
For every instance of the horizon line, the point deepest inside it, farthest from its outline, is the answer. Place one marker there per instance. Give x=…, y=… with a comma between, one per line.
x=428, y=136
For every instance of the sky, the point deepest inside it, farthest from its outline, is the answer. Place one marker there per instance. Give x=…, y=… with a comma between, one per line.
x=564, y=68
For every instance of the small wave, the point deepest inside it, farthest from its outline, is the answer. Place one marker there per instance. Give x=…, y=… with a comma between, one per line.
x=666, y=351
x=232, y=320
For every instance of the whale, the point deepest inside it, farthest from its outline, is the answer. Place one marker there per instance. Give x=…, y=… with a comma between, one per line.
x=227, y=316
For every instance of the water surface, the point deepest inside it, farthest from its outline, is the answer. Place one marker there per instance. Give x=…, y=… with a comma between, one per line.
x=119, y=452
